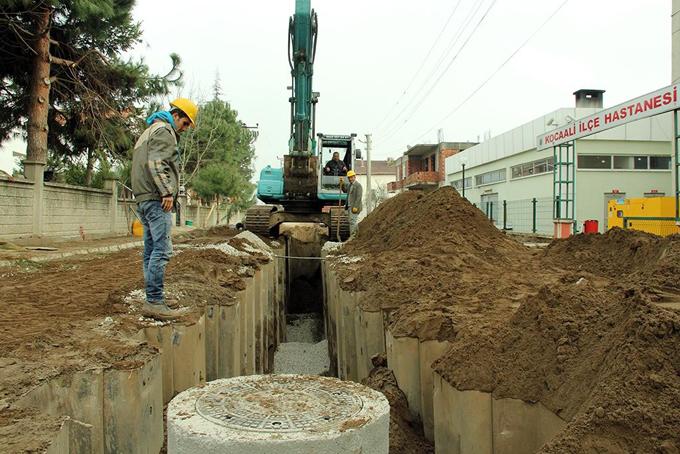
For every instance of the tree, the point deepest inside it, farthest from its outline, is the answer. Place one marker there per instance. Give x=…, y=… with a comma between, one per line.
x=217, y=155
x=218, y=137
x=220, y=182
x=65, y=82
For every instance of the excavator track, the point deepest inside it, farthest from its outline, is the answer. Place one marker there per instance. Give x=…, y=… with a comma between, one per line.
x=338, y=214
x=257, y=219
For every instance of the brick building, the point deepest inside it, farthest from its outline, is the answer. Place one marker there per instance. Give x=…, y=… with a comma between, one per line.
x=422, y=166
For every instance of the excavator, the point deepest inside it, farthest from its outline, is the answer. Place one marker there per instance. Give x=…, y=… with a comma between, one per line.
x=302, y=191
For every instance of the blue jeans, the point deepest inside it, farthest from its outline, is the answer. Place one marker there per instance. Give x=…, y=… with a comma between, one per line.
x=157, y=247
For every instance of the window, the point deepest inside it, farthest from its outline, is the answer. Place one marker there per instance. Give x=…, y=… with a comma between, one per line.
x=640, y=163
x=594, y=162
x=532, y=168
x=623, y=162
x=458, y=184
x=490, y=177
x=660, y=162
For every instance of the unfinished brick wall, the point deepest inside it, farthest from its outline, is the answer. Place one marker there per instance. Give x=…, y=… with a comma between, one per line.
x=443, y=154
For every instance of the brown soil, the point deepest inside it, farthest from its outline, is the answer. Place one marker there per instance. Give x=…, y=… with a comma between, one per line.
x=15, y=424
x=406, y=435
x=442, y=262
x=607, y=362
x=573, y=326
x=70, y=315
x=626, y=256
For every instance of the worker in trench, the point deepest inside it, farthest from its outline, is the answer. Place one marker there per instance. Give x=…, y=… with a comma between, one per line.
x=155, y=184
x=354, y=196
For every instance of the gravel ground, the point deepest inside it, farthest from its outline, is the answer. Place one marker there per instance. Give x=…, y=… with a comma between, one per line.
x=306, y=328
x=305, y=352
x=302, y=358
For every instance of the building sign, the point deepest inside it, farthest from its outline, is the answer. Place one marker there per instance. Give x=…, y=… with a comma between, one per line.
x=654, y=103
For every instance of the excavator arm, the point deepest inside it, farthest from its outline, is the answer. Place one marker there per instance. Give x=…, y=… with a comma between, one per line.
x=302, y=35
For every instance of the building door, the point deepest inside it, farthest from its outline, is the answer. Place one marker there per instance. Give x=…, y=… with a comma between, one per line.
x=490, y=206
x=607, y=197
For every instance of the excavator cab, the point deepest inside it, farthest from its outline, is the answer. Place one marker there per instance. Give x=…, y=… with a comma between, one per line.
x=329, y=181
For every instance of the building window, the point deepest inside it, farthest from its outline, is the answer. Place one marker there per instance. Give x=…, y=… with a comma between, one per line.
x=458, y=184
x=532, y=168
x=494, y=176
x=623, y=162
x=594, y=161
x=640, y=163
x=660, y=162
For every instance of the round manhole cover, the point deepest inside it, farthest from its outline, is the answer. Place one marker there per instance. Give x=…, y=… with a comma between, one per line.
x=279, y=403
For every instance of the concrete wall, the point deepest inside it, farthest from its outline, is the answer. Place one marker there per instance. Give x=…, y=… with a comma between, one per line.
x=62, y=210
x=458, y=422
x=66, y=209
x=121, y=410
x=16, y=207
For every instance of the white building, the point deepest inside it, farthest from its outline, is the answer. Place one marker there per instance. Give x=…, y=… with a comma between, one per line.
x=633, y=160
x=382, y=173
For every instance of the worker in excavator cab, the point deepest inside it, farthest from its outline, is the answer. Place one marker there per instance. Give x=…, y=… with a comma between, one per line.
x=354, y=196
x=335, y=166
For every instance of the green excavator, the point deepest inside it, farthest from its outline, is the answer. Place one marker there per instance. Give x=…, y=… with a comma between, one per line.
x=303, y=191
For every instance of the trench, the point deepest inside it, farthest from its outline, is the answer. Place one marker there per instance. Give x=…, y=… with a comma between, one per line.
x=305, y=347
x=292, y=318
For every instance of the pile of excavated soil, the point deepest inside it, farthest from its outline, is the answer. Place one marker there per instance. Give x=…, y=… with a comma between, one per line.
x=573, y=327
x=406, y=436
x=628, y=257
x=439, y=259
x=606, y=362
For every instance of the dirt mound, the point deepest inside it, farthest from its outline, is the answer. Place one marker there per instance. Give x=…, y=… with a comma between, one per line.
x=406, y=436
x=440, y=259
x=630, y=257
x=414, y=220
x=606, y=362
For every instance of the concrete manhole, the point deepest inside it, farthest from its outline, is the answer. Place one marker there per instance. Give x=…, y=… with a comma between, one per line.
x=279, y=413
x=278, y=404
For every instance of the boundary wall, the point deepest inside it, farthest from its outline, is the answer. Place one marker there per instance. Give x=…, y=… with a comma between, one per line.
x=61, y=210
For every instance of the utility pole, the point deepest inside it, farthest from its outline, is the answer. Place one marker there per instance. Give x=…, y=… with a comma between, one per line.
x=369, y=145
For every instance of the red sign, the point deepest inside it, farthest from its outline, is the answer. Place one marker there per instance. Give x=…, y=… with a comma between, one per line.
x=655, y=103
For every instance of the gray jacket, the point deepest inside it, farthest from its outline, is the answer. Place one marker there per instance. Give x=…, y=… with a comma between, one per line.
x=355, y=194
x=155, y=162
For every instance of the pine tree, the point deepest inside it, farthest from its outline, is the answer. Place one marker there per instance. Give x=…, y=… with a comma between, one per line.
x=65, y=83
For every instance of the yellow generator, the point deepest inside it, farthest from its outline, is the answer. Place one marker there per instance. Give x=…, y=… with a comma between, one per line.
x=649, y=214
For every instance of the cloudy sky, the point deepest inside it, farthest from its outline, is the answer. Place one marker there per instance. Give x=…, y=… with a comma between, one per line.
x=403, y=69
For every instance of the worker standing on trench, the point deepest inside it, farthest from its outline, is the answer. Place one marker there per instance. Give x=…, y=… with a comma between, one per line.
x=354, y=196
x=155, y=183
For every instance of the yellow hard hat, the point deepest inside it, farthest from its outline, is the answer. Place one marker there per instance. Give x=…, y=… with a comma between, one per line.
x=188, y=107
x=351, y=173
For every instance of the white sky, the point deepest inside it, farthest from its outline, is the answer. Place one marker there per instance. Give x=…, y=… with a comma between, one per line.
x=369, y=51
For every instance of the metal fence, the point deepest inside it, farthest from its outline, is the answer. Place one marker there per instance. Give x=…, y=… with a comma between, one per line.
x=522, y=216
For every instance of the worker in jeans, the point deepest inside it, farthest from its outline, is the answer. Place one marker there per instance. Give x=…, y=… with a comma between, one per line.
x=354, y=196
x=155, y=183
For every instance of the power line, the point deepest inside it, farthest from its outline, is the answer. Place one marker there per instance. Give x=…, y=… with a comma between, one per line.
x=422, y=64
x=497, y=70
x=394, y=123
x=422, y=99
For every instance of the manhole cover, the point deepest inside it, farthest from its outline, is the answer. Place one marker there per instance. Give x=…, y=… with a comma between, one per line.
x=279, y=404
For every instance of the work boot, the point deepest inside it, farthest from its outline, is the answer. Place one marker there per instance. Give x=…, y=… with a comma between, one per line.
x=161, y=311
x=172, y=303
